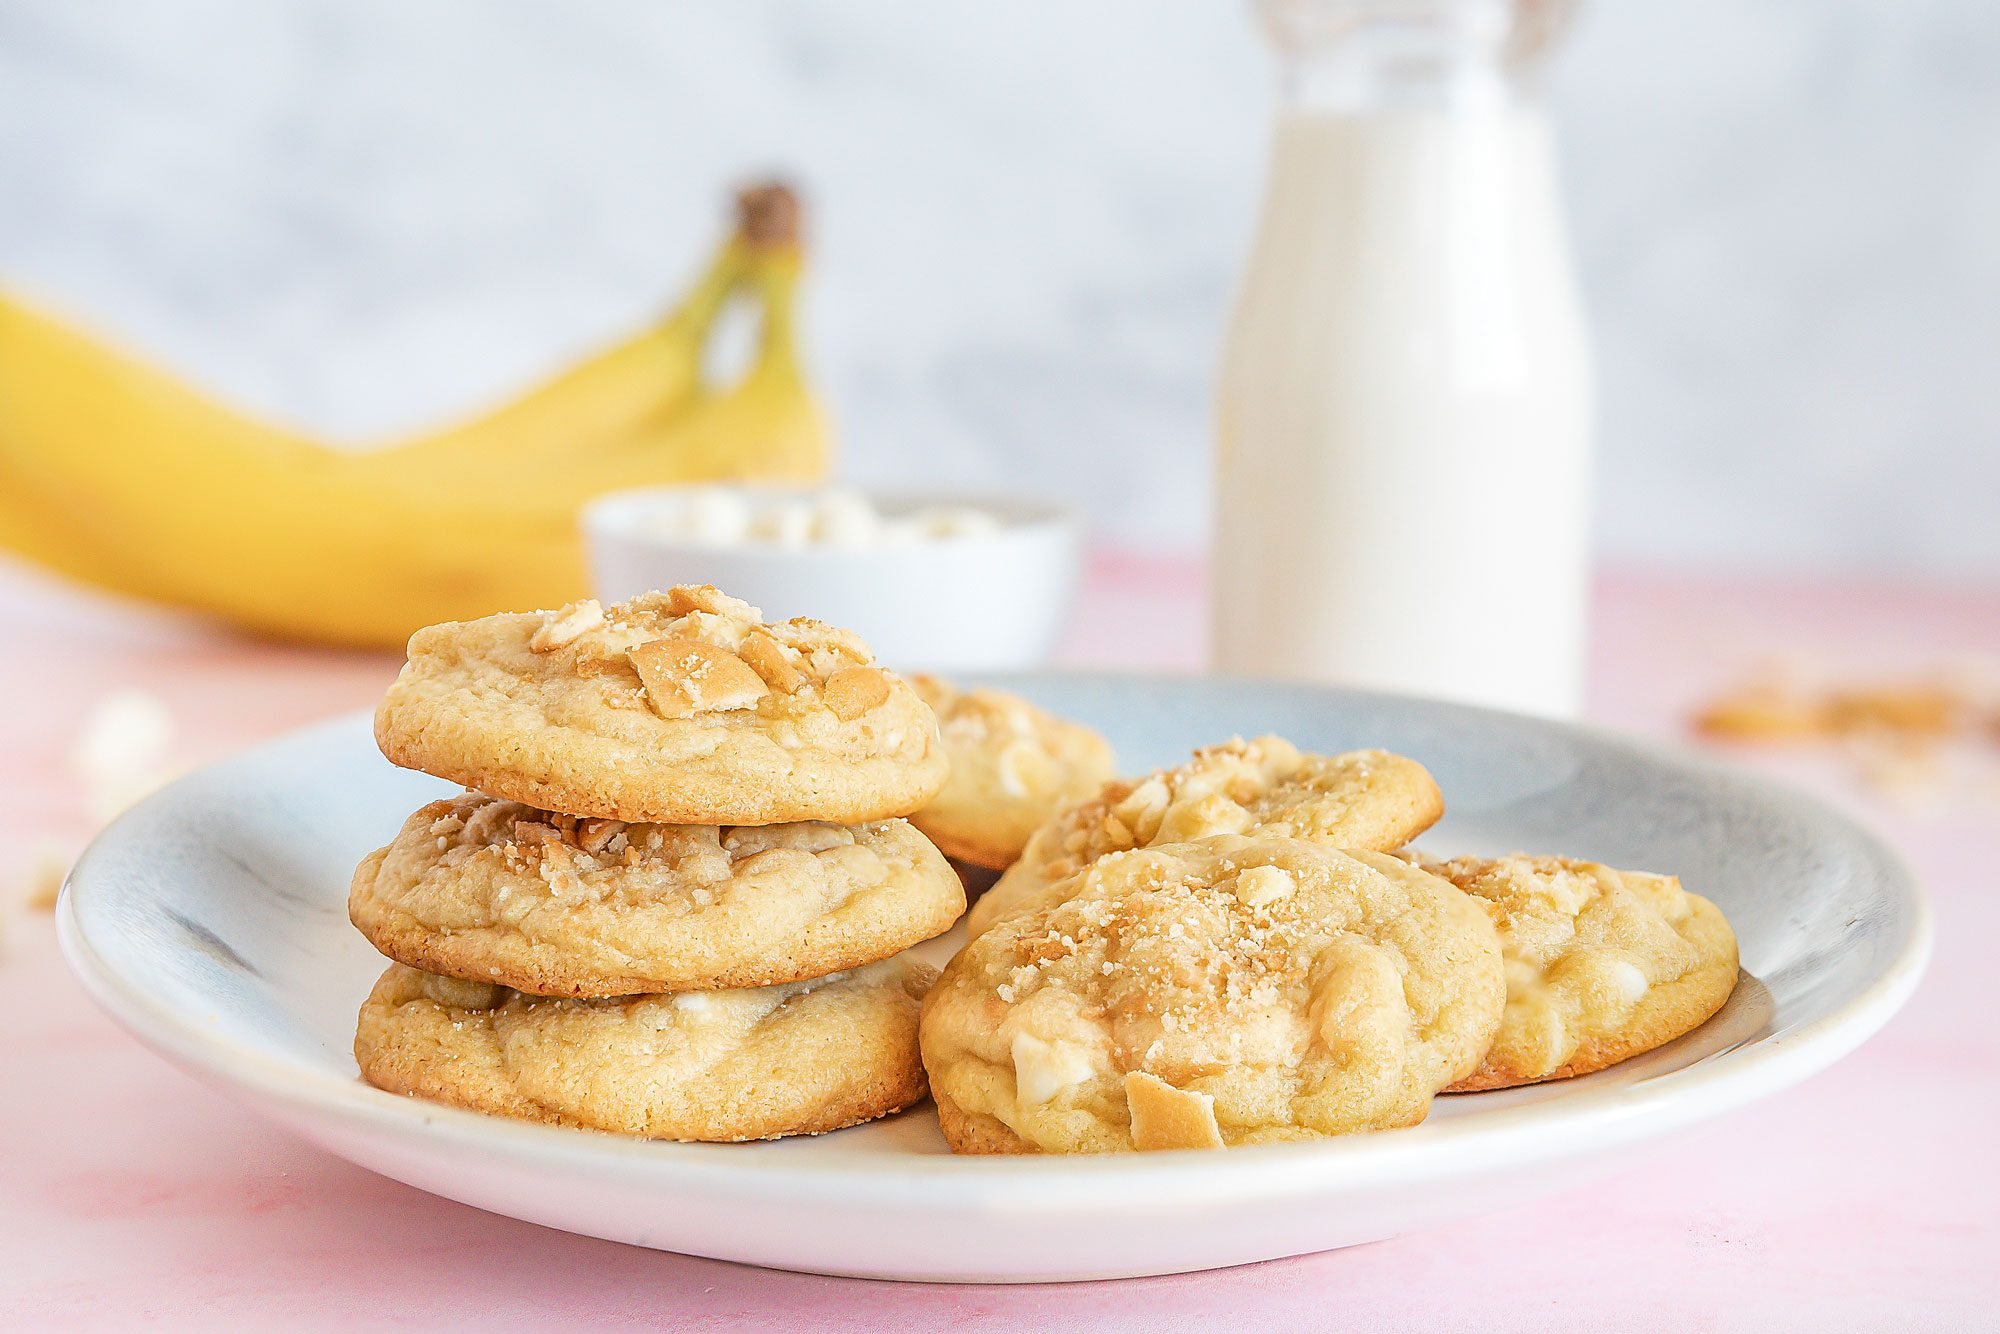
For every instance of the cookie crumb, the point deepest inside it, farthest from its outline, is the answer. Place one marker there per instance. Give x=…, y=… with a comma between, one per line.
x=47, y=865
x=1915, y=740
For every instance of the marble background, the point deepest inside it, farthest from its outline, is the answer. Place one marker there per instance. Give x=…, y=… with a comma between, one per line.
x=367, y=215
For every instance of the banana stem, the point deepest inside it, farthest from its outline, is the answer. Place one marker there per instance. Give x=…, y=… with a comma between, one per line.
x=763, y=255
x=768, y=254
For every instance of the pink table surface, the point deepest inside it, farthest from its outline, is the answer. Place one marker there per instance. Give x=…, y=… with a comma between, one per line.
x=1869, y=1197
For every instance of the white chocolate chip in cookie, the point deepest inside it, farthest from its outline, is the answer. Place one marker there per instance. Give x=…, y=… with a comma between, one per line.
x=1141, y=811
x=1203, y=817
x=1357, y=1008
x=1602, y=964
x=1010, y=768
x=1630, y=981
x=1261, y=885
x=1043, y=1069
x=688, y=676
x=1343, y=1004
x=1164, y=1117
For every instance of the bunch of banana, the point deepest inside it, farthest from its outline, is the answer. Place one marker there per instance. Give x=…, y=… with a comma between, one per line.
x=115, y=474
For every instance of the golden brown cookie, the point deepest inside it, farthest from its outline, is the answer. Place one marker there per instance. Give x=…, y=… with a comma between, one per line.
x=491, y=890
x=1012, y=767
x=1231, y=991
x=796, y=1059
x=1601, y=964
x=1368, y=799
x=680, y=707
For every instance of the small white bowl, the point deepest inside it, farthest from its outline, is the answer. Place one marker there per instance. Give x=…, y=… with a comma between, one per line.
x=976, y=602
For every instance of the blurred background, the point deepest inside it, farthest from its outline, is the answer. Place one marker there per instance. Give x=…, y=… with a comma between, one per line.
x=364, y=218
x=367, y=221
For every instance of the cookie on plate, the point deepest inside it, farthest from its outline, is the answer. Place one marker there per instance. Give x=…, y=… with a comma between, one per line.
x=1601, y=964
x=1368, y=799
x=682, y=707
x=487, y=889
x=1012, y=766
x=796, y=1059
x=1197, y=995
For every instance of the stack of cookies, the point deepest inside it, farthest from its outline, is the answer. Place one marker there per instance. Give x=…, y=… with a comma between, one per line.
x=676, y=900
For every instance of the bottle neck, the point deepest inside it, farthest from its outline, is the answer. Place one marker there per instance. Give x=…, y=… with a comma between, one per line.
x=1353, y=57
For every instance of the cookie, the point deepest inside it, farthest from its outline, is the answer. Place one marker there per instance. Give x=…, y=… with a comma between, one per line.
x=1601, y=964
x=491, y=890
x=796, y=1059
x=680, y=707
x=1012, y=767
x=1232, y=991
x=1366, y=799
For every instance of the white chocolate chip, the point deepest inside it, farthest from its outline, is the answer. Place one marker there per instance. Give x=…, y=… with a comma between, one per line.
x=1043, y=1069
x=1008, y=768
x=1259, y=885
x=1142, y=808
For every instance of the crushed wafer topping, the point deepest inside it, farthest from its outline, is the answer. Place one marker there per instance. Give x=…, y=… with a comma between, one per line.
x=1361, y=799
x=697, y=650
x=1191, y=965
x=688, y=676
x=1164, y=1117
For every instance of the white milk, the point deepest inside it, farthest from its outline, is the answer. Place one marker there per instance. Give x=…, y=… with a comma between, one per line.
x=1404, y=415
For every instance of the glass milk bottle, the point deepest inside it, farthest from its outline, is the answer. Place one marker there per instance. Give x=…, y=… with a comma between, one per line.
x=1402, y=464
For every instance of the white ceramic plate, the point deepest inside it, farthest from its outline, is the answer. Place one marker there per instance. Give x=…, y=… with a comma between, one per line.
x=210, y=921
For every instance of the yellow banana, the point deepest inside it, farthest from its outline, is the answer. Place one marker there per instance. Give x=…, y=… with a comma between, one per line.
x=115, y=474
x=610, y=394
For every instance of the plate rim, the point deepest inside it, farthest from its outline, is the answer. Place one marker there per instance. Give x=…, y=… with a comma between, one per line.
x=1599, y=1117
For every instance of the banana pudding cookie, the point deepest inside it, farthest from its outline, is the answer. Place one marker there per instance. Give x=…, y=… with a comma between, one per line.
x=1601, y=964
x=1369, y=799
x=1197, y=995
x=1012, y=767
x=482, y=888
x=681, y=707
x=796, y=1059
